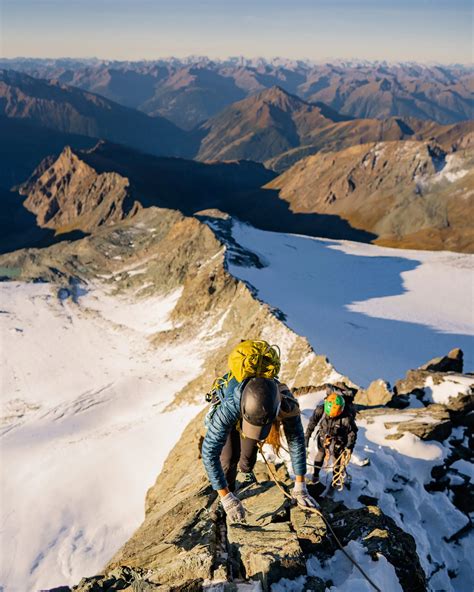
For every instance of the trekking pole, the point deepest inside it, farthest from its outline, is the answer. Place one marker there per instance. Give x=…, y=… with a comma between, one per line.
x=319, y=513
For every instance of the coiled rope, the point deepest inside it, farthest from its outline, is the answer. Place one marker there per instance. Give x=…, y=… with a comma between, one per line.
x=338, y=467
x=319, y=513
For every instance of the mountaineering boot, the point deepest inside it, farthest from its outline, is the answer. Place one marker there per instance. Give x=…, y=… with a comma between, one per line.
x=245, y=480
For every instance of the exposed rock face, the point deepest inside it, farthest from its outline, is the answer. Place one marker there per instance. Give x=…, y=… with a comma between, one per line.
x=184, y=541
x=377, y=393
x=410, y=194
x=440, y=381
x=70, y=194
x=84, y=190
x=430, y=423
x=452, y=362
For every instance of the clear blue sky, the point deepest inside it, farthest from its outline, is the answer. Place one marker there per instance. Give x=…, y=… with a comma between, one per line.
x=422, y=30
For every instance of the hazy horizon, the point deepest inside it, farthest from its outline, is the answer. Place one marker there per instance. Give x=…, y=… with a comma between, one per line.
x=190, y=57
x=423, y=31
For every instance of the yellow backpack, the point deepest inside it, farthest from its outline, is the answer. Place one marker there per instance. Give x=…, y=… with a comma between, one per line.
x=254, y=358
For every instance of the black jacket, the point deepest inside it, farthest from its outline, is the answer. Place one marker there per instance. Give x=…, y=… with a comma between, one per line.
x=342, y=428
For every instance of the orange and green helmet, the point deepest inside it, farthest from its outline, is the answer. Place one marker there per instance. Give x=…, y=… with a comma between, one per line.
x=334, y=405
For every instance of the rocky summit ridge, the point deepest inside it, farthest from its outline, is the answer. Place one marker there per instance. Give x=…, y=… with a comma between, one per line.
x=185, y=544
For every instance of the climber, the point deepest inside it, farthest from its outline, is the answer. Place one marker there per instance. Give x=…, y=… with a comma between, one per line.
x=246, y=409
x=337, y=430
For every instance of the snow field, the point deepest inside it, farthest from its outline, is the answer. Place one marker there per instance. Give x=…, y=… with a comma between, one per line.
x=396, y=476
x=84, y=434
x=374, y=311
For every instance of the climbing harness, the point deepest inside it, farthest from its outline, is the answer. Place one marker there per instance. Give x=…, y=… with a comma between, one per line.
x=339, y=467
x=319, y=513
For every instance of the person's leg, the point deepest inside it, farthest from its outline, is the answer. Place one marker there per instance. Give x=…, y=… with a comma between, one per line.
x=230, y=457
x=248, y=455
x=318, y=461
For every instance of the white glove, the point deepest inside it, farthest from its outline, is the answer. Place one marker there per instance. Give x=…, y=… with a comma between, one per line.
x=301, y=496
x=233, y=508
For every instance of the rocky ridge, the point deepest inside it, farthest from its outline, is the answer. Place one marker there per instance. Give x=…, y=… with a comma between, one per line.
x=410, y=194
x=173, y=251
x=185, y=544
x=188, y=91
x=182, y=544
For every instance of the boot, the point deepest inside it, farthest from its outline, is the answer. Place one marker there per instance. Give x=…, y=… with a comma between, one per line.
x=245, y=480
x=315, y=478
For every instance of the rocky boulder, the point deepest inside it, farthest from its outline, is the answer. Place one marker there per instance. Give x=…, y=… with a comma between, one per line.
x=377, y=393
x=428, y=423
x=380, y=535
x=454, y=391
x=452, y=362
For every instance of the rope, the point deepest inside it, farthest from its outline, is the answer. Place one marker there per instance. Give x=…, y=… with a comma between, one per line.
x=319, y=513
x=339, y=467
x=339, y=470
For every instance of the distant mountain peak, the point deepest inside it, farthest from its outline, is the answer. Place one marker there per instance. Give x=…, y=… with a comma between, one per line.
x=278, y=96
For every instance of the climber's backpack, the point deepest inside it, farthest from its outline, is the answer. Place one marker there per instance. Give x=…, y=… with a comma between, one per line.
x=254, y=358
x=246, y=360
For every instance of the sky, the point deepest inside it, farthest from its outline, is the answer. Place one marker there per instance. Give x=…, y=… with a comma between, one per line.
x=405, y=30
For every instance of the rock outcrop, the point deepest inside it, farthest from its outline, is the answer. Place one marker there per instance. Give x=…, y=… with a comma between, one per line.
x=440, y=381
x=377, y=393
x=409, y=194
x=452, y=362
x=70, y=194
x=184, y=542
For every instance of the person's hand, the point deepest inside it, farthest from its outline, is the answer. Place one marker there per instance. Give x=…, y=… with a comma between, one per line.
x=233, y=508
x=301, y=496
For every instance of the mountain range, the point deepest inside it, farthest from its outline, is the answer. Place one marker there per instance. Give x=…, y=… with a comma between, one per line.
x=190, y=91
x=92, y=161
x=278, y=128
x=69, y=110
x=273, y=126
x=404, y=194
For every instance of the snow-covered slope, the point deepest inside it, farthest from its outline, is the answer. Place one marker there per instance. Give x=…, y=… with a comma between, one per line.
x=87, y=432
x=84, y=391
x=395, y=479
x=374, y=311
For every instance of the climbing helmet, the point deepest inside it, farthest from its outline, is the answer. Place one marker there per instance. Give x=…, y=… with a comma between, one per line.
x=334, y=405
x=259, y=406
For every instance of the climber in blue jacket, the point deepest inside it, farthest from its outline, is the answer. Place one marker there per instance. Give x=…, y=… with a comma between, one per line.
x=250, y=408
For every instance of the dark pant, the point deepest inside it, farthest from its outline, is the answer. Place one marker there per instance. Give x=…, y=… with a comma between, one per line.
x=335, y=450
x=238, y=452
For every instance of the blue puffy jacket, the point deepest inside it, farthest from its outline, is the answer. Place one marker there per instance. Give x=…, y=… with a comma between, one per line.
x=224, y=416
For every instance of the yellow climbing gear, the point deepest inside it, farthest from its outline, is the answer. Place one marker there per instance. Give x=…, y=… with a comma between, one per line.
x=254, y=358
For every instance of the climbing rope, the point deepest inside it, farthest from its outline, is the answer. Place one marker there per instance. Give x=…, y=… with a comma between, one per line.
x=319, y=513
x=339, y=467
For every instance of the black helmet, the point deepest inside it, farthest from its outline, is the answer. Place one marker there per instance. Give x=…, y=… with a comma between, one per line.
x=259, y=405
